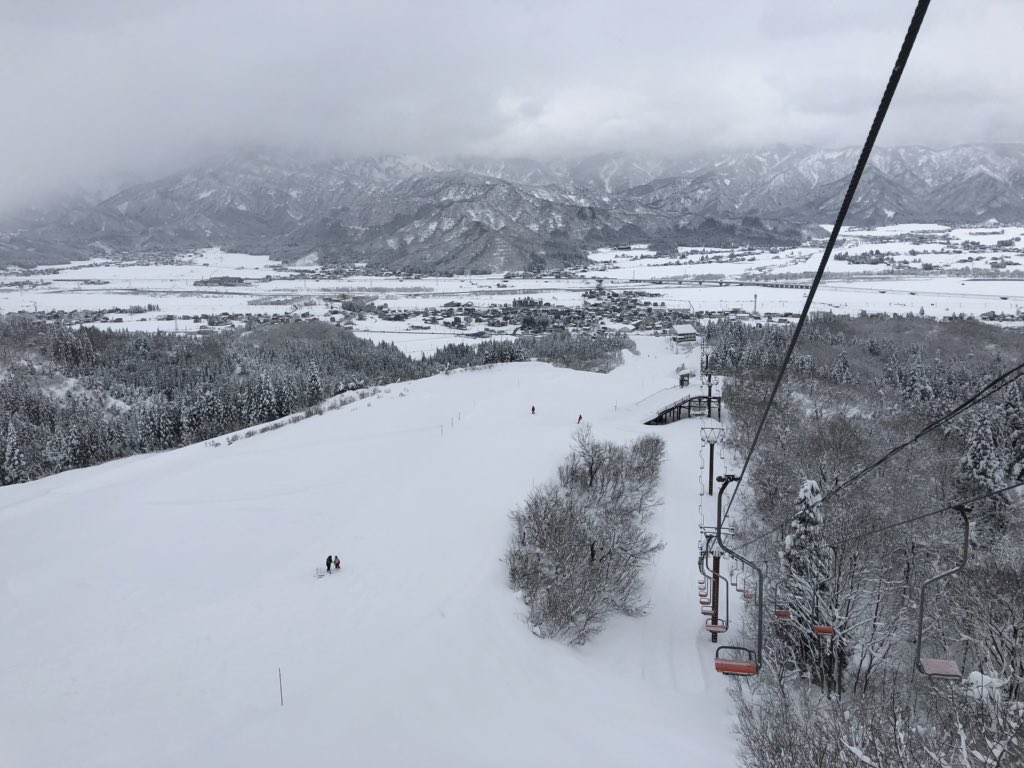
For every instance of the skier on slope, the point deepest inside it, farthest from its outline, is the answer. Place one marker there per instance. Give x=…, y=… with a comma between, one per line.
x=579, y=419
x=337, y=563
x=330, y=562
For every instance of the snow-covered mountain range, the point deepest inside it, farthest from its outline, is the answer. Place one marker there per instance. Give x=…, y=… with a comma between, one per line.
x=459, y=214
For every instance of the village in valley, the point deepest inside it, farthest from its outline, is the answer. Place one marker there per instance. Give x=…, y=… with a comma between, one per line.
x=922, y=269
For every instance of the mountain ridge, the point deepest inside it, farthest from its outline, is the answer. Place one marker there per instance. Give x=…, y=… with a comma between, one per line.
x=481, y=214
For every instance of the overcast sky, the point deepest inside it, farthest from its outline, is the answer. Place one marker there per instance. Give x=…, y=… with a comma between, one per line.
x=94, y=89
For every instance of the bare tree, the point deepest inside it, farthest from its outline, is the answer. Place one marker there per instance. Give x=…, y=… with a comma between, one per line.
x=580, y=545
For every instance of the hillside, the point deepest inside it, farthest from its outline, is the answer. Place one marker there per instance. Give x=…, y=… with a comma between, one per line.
x=148, y=603
x=453, y=215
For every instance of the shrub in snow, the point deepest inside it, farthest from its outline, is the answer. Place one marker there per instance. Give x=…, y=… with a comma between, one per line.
x=985, y=688
x=580, y=544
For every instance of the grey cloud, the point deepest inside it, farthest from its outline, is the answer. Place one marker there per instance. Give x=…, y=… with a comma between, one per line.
x=100, y=88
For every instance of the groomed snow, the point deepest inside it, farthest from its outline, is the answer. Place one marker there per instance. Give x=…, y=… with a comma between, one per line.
x=147, y=604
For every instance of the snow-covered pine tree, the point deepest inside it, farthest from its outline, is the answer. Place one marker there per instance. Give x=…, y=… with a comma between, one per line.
x=314, y=386
x=840, y=372
x=63, y=448
x=802, y=554
x=804, y=365
x=261, y=403
x=290, y=394
x=982, y=463
x=157, y=426
x=806, y=591
x=1013, y=422
x=13, y=469
x=918, y=386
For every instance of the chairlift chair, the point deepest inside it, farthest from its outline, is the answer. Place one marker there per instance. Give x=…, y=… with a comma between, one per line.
x=780, y=613
x=703, y=581
x=941, y=669
x=722, y=625
x=821, y=629
x=702, y=584
x=743, y=667
x=745, y=590
x=740, y=660
x=719, y=627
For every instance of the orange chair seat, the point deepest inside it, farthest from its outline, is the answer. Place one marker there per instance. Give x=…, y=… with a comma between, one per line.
x=735, y=667
x=946, y=668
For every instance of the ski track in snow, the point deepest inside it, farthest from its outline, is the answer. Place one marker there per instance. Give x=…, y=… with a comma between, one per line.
x=149, y=602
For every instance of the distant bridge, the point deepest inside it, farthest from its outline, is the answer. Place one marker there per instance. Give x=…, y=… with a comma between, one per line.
x=756, y=284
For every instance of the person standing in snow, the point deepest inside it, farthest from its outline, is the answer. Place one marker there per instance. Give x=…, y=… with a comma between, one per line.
x=330, y=562
x=533, y=410
x=337, y=563
x=579, y=419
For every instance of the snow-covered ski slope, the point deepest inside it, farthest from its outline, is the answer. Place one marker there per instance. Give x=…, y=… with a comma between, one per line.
x=147, y=604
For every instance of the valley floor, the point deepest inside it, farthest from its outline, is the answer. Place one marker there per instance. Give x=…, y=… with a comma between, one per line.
x=148, y=604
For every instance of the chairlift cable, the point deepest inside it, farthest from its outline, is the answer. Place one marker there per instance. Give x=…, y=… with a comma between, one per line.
x=898, y=523
x=876, y=126
x=965, y=503
x=1000, y=382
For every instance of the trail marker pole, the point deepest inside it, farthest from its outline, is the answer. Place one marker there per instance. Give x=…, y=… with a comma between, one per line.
x=280, y=685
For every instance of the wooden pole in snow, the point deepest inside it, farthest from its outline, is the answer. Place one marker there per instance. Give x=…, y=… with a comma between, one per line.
x=280, y=685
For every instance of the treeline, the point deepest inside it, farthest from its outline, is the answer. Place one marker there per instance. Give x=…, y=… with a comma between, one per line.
x=74, y=398
x=580, y=545
x=857, y=388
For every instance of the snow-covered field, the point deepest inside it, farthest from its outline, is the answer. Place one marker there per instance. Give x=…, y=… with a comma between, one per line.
x=148, y=603
x=701, y=279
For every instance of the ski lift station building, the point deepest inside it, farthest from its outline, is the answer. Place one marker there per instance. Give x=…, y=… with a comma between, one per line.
x=684, y=334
